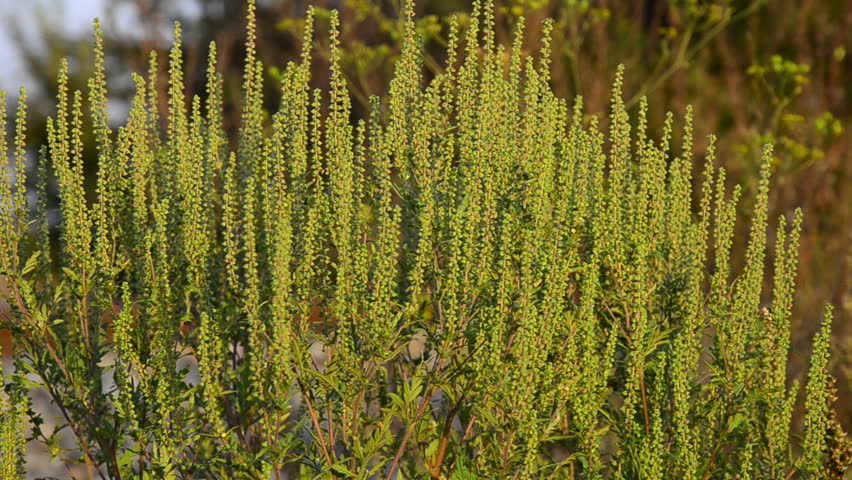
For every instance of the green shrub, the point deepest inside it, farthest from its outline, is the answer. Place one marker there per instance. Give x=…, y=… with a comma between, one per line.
x=475, y=283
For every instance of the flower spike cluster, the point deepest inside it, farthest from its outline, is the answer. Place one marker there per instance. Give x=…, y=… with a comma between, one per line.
x=476, y=281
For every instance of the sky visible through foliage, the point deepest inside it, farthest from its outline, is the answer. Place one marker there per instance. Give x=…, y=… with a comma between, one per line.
x=79, y=18
x=71, y=17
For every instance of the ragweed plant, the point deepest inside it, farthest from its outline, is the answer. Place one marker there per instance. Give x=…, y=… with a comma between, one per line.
x=475, y=282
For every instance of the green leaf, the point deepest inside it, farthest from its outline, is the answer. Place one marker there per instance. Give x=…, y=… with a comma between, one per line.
x=32, y=263
x=462, y=473
x=340, y=467
x=432, y=448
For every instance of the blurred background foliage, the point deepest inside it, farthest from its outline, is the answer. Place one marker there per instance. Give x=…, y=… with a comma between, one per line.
x=756, y=71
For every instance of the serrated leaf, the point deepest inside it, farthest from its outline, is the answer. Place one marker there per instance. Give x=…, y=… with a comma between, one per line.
x=432, y=448
x=340, y=467
x=32, y=263
x=462, y=473
x=70, y=274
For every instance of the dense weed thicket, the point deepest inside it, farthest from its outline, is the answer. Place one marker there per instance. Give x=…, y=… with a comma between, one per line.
x=477, y=282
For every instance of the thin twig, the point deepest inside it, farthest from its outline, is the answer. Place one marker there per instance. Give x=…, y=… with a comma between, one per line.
x=435, y=469
x=315, y=420
x=427, y=396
